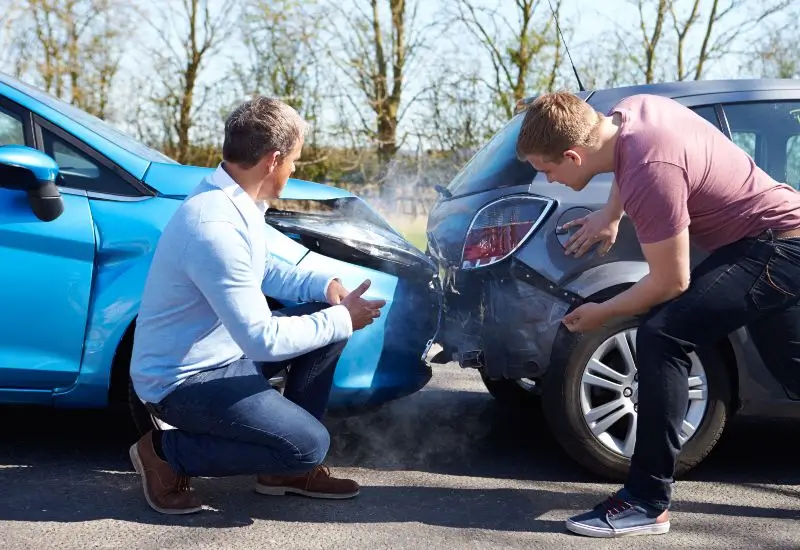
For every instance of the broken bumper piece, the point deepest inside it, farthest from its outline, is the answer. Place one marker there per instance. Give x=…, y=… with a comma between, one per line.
x=503, y=321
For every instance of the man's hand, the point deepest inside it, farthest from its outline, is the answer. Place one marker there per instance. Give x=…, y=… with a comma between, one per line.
x=362, y=312
x=586, y=317
x=597, y=227
x=335, y=293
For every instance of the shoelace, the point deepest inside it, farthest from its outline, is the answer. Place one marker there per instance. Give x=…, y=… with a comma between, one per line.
x=615, y=505
x=183, y=484
x=315, y=472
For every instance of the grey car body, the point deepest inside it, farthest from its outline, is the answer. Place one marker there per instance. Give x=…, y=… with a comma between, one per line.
x=503, y=318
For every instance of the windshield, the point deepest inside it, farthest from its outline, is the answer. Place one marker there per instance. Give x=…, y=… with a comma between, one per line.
x=91, y=122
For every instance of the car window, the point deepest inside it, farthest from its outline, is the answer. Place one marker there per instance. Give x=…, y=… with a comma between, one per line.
x=80, y=171
x=708, y=113
x=495, y=165
x=769, y=131
x=12, y=130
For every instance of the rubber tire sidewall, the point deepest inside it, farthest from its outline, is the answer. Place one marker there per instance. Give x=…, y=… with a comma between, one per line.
x=562, y=409
x=509, y=393
x=139, y=414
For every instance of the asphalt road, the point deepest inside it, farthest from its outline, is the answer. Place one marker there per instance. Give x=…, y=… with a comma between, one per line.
x=445, y=468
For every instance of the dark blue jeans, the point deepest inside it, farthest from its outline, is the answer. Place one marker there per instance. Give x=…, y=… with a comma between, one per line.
x=753, y=282
x=231, y=421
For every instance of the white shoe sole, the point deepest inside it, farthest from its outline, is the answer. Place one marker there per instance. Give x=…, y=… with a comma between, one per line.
x=653, y=529
x=137, y=465
x=282, y=491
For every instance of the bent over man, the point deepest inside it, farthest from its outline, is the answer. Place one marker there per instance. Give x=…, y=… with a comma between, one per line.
x=206, y=343
x=681, y=181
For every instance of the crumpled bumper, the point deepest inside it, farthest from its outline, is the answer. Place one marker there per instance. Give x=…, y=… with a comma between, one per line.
x=503, y=321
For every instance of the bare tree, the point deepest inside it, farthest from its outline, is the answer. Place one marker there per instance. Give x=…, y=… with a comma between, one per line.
x=704, y=32
x=776, y=55
x=716, y=39
x=515, y=48
x=76, y=48
x=189, y=37
x=282, y=42
x=375, y=46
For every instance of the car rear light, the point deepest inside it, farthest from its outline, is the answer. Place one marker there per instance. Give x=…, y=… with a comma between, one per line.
x=501, y=227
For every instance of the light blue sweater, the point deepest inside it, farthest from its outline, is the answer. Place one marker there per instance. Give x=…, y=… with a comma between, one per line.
x=203, y=304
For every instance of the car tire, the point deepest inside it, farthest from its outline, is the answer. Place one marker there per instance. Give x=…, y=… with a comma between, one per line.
x=564, y=390
x=511, y=393
x=139, y=414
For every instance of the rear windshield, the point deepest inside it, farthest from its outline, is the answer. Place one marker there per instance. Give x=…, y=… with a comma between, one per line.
x=495, y=165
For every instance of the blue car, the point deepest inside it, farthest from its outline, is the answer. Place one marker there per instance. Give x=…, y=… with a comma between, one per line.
x=82, y=207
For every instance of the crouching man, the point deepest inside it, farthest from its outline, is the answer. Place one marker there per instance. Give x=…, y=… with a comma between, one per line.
x=206, y=343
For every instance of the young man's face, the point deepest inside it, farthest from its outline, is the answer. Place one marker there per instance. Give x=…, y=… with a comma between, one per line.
x=571, y=170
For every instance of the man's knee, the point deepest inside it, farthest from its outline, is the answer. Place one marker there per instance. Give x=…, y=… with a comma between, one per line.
x=311, y=444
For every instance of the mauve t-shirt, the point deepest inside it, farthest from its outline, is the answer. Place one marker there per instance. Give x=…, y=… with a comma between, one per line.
x=675, y=169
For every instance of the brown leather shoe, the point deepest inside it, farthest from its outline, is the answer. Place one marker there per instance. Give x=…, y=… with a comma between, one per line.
x=318, y=483
x=164, y=490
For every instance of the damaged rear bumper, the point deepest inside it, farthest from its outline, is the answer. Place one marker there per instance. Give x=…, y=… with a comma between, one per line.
x=503, y=320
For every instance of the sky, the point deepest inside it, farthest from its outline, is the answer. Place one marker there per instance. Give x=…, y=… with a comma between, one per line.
x=592, y=23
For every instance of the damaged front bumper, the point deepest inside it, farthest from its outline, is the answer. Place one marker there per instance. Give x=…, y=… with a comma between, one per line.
x=502, y=319
x=385, y=360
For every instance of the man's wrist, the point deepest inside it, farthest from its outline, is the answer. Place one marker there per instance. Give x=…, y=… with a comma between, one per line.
x=612, y=213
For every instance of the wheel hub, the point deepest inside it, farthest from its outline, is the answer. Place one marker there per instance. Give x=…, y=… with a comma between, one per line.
x=609, y=394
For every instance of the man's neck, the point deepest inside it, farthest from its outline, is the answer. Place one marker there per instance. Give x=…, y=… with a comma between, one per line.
x=246, y=179
x=609, y=130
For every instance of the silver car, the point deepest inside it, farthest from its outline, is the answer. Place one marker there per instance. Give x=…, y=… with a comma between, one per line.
x=508, y=283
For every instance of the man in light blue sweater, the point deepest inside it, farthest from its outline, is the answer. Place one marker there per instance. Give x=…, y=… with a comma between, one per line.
x=206, y=342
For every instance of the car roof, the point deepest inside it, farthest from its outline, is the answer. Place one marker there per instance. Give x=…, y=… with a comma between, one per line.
x=605, y=98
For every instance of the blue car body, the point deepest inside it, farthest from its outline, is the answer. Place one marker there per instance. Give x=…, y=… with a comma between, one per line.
x=70, y=288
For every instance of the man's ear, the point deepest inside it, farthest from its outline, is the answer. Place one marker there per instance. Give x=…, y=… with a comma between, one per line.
x=272, y=160
x=574, y=156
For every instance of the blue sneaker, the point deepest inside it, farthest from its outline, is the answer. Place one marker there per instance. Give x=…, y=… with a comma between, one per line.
x=620, y=516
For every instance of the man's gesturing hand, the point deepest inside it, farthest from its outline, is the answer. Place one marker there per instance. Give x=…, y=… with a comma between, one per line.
x=362, y=312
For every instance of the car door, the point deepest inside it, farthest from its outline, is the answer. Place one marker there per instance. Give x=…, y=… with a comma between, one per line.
x=45, y=282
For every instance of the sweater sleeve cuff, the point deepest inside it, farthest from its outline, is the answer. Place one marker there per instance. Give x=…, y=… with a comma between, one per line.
x=341, y=321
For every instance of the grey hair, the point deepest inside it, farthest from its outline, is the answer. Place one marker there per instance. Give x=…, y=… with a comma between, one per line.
x=259, y=126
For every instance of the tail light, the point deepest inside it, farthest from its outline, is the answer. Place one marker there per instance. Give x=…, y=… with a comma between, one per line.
x=501, y=227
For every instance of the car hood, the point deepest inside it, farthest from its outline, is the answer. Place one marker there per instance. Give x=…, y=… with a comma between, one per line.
x=178, y=180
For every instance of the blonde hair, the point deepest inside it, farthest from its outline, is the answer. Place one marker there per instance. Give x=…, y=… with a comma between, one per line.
x=555, y=122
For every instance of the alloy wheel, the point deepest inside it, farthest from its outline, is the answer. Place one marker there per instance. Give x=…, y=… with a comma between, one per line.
x=609, y=394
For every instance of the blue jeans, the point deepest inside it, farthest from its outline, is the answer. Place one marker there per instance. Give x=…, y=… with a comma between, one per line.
x=754, y=282
x=231, y=421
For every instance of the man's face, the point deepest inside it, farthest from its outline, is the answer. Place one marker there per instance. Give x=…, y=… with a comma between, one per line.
x=282, y=170
x=570, y=170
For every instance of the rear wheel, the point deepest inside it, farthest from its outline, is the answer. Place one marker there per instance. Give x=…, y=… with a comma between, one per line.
x=513, y=393
x=590, y=401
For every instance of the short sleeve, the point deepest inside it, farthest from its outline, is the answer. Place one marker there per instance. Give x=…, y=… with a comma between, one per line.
x=654, y=195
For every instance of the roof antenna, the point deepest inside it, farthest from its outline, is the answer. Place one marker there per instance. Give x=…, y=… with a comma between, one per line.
x=558, y=27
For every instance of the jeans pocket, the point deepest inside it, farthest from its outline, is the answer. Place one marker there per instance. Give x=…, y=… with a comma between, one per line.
x=779, y=281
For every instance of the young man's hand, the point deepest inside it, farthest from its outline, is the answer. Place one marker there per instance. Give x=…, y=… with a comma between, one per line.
x=597, y=227
x=587, y=317
x=362, y=312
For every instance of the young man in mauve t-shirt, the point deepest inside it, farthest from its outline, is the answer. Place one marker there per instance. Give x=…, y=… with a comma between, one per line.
x=681, y=181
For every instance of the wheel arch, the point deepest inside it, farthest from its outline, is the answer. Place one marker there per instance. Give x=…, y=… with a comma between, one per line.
x=120, y=366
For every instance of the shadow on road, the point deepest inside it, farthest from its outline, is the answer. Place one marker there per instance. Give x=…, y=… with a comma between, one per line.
x=71, y=466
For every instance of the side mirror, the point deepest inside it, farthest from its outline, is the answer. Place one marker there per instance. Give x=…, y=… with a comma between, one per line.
x=26, y=169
